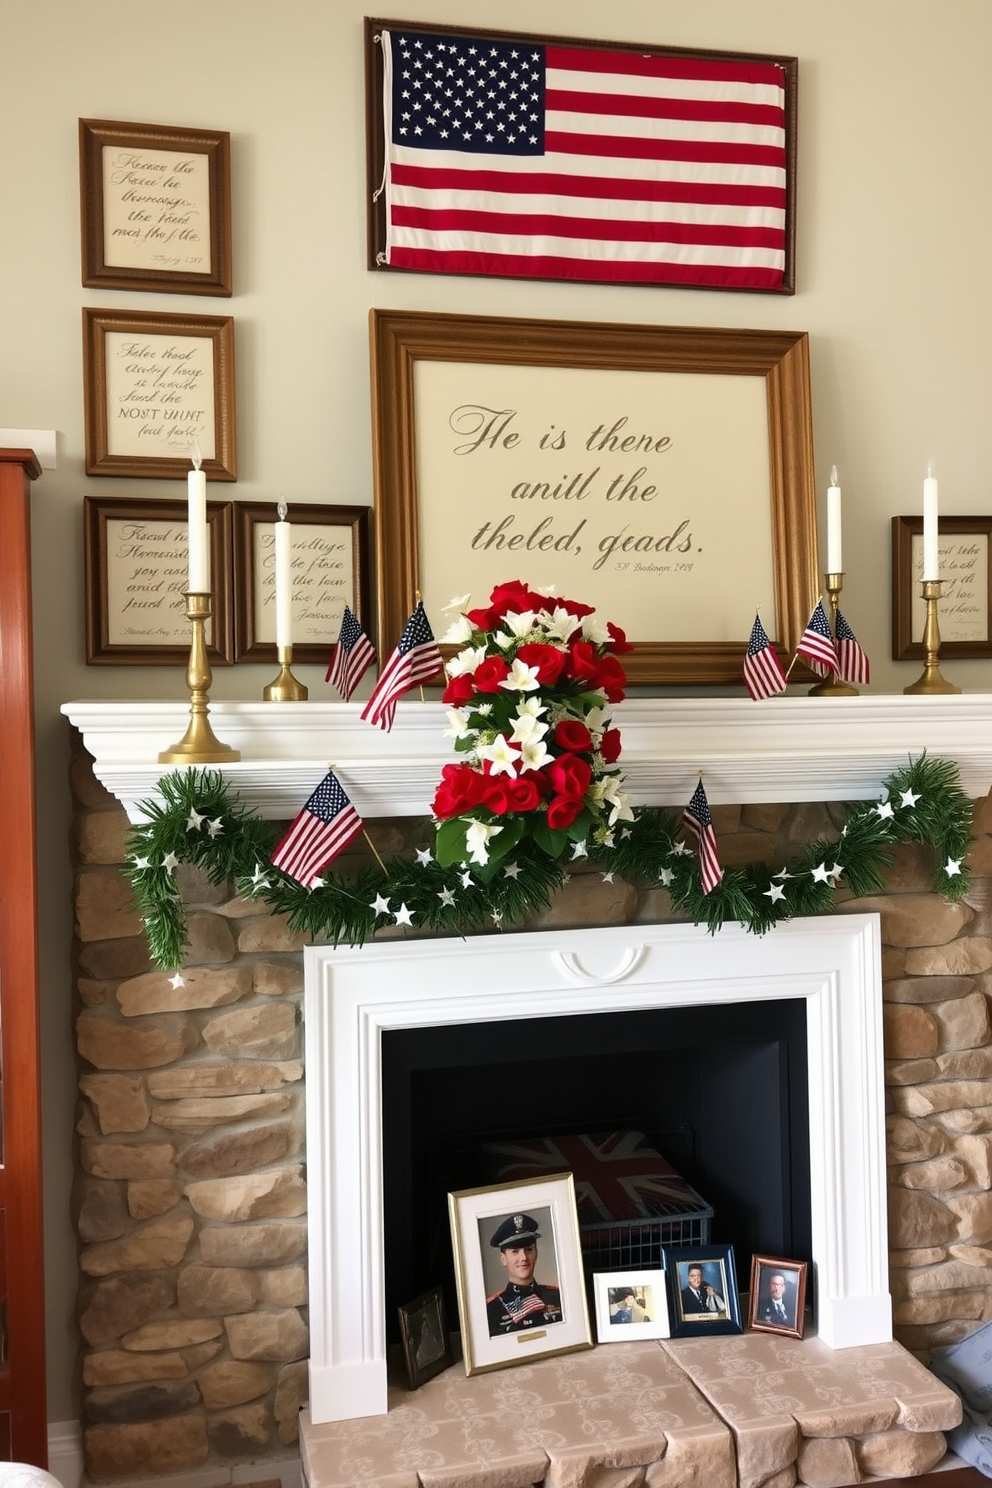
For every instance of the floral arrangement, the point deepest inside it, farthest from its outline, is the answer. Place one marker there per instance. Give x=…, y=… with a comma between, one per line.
x=529, y=699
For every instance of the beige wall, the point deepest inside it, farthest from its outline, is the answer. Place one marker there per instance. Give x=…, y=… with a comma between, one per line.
x=895, y=218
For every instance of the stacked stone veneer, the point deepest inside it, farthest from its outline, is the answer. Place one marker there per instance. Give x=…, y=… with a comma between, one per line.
x=190, y=1195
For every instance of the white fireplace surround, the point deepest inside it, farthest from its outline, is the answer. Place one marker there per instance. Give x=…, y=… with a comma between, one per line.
x=355, y=994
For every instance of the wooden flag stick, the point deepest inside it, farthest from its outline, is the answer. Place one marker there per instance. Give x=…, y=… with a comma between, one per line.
x=372, y=850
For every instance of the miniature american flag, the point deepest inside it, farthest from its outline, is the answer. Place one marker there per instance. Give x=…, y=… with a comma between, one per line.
x=415, y=659
x=351, y=656
x=817, y=644
x=697, y=820
x=852, y=659
x=763, y=674
x=324, y=827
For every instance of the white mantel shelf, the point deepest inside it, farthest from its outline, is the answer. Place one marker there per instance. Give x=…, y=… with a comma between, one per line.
x=784, y=749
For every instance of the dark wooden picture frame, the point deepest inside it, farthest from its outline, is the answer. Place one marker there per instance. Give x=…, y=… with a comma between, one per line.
x=763, y=1295
x=404, y=342
x=354, y=591
x=426, y=1341
x=113, y=529
x=965, y=546
x=376, y=141
x=716, y=1263
x=140, y=375
x=148, y=187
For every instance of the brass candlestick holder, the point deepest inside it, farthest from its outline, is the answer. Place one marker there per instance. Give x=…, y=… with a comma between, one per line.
x=199, y=745
x=832, y=686
x=286, y=688
x=930, y=679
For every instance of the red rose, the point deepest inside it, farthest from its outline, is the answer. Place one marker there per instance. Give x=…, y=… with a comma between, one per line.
x=612, y=679
x=609, y=745
x=618, y=639
x=562, y=811
x=549, y=660
x=522, y=794
x=572, y=734
x=511, y=598
x=583, y=663
x=488, y=676
x=460, y=789
x=459, y=690
x=573, y=607
x=569, y=775
x=496, y=796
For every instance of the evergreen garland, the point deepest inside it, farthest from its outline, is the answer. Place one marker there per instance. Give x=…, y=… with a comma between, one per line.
x=197, y=820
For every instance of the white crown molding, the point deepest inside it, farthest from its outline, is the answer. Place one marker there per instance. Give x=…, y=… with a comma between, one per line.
x=784, y=749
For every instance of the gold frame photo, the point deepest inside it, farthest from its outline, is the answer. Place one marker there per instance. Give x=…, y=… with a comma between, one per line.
x=481, y=441
x=503, y=1323
x=135, y=554
x=426, y=1341
x=964, y=610
x=776, y=1281
x=630, y=1305
x=154, y=394
x=330, y=547
x=155, y=204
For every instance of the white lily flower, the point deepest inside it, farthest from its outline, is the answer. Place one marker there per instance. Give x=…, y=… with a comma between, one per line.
x=466, y=661
x=522, y=678
x=458, y=632
x=598, y=719
x=458, y=724
x=594, y=630
x=520, y=625
x=458, y=603
x=531, y=705
x=502, y=756
x=527, y=727
x=610, y=793
x=534, y=755
x=562, y=623
x=477, y=840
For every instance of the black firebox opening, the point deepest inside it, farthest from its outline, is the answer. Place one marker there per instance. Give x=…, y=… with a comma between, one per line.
x=721, y=1091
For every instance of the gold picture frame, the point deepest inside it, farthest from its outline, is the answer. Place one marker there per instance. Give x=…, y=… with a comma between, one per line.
x=155, y=204
x=546, y=1315
x=777, y=1301
x=965, y=607
x=156, y=387
x=480, y=477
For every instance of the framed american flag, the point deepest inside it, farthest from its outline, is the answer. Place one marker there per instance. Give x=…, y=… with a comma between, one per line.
x=541, y=157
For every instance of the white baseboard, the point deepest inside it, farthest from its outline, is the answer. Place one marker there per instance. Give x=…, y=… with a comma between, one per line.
x=65, y=1462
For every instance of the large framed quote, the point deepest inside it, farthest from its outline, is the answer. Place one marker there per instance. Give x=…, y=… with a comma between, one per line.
x=662, y=474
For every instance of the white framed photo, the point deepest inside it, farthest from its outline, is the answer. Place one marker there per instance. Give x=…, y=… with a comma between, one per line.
x=630, y=1305
x=518, y=1271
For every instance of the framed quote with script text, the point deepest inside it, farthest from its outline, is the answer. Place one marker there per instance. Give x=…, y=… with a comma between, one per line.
x=156, y=207
x=965, y=609
x=662, y=474
x=159, y=388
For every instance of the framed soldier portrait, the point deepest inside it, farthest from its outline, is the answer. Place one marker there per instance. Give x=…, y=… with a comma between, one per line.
x=518, y=1272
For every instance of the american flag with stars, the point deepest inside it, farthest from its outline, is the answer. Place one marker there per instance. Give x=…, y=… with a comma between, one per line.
x=852, y=659
x=324, y=827
x=533, y=160
x=351, y=656
x=697, y=820
x=763, y=674
x=817, y=644
x=415, y=659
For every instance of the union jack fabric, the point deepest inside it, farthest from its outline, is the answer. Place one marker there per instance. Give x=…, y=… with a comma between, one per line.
x=415, y=659
x=817, y=644
x=525, y=159
x=618, y=1175
x=351, y=656
x=852, y=659
x=696, y=819
x=763, y=674
x=324, y=827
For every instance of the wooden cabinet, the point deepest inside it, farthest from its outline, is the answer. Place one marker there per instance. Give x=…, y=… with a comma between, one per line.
x=23, y=1413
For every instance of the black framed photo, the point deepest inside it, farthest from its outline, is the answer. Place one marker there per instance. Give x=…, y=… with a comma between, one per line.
x=426, y=1340
x=702, y=1290
x=778, y=1296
